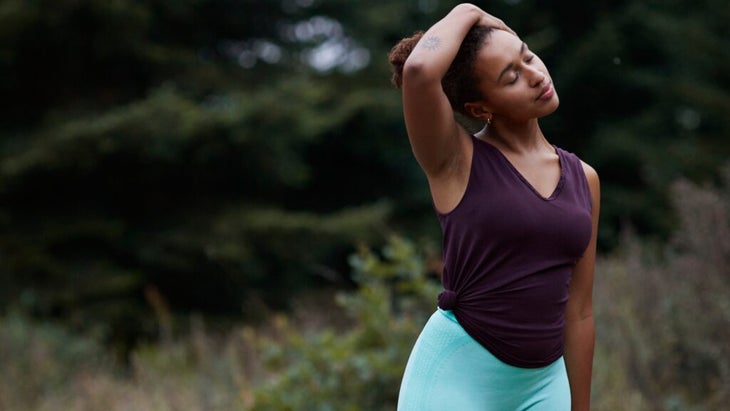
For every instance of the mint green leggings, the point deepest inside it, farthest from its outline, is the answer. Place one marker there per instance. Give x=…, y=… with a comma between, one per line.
x=448, y=370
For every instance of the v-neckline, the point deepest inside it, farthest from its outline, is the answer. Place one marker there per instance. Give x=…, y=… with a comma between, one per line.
x=561, y=180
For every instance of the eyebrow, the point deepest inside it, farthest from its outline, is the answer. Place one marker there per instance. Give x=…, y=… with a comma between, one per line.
x=510, y=65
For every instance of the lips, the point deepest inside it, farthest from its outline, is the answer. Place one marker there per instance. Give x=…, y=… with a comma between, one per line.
x=547, y=92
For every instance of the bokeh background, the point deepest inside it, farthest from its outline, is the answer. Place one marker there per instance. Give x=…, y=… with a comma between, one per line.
x=212, y=204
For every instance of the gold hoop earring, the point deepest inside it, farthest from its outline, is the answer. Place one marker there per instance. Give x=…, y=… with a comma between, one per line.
x=489, y=121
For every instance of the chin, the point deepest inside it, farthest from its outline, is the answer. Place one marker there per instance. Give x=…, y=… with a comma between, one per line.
x=547, y=112
x=552, y=107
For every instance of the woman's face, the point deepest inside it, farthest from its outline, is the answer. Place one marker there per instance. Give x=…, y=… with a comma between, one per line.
x=515, y=82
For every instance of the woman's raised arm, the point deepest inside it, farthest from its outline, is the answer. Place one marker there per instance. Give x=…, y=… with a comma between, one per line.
x=434, y=134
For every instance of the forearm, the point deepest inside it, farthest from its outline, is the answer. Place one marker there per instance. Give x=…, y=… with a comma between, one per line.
x=434, y=53
x=579, y=343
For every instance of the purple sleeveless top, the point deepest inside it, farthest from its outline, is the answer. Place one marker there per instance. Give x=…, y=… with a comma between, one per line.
x=509, y=255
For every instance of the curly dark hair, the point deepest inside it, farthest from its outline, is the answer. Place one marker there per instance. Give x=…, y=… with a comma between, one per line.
x=460, y=81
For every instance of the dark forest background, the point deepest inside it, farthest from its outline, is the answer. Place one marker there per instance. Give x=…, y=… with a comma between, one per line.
x=162, y=159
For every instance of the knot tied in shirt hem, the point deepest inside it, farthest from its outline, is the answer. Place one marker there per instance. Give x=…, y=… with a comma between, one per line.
x=447, y=300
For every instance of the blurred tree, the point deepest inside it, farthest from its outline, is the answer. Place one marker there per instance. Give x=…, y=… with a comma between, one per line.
x=643, y=91
x=229, y=152
x=222, y=153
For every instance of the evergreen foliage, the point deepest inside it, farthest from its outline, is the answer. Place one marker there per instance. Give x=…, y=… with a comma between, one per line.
x=230, y=153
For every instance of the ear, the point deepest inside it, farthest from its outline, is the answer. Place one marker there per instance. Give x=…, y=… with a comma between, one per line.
x=478, y=110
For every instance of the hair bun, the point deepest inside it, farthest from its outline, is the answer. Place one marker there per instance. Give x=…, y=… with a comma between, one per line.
x=398, y=55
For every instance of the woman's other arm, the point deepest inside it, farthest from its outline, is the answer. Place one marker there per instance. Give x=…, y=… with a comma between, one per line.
x=579, y=328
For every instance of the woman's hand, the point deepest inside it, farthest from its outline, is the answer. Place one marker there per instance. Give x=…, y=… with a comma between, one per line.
x=491, y=21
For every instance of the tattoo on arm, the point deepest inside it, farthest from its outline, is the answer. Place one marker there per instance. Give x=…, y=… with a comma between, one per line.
x=432, y=43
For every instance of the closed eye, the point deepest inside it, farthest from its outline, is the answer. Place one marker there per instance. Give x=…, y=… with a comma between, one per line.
x=512, y=67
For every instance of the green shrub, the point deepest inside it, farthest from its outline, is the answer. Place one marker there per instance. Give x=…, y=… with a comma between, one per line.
x=360, y=367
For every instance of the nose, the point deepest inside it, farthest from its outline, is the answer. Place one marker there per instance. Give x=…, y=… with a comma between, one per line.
x=536, y=76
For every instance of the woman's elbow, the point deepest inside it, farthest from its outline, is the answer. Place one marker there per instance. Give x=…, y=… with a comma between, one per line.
x=413, y=67
x=416, y=72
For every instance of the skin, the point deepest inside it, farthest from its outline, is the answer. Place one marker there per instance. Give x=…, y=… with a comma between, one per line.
x=517, y=90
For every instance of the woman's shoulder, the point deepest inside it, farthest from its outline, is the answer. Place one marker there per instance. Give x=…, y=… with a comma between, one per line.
x=576, y=159
x=579, y=164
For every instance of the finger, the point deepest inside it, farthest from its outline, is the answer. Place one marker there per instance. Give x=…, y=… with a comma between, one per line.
x=497, y=23
x=507, y=29
x=502, y=26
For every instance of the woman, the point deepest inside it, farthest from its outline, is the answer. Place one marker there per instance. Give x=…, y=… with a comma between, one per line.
x=514, y=327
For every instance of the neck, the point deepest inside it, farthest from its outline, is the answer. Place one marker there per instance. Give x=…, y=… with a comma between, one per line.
x=524, y=137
